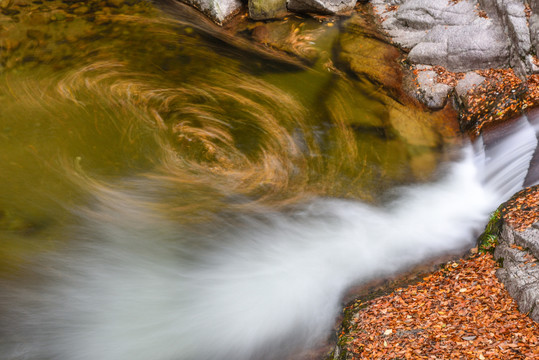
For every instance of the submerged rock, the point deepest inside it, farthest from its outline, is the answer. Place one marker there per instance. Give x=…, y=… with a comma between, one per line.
x=321, y=6
x=366, y=53
x=218, y=10
x=267, y=9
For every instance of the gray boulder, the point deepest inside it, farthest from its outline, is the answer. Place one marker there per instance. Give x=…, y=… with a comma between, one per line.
x=518, y=251
x=534, y=31
x=461, y=36
x=467, y=83
x=425, y=14
x=518, y=27
x=321, y=6
x=431, y=93
x=217, y=10
x=511, y=15
x=267, y=9
x=462, y=48
x=477, y=47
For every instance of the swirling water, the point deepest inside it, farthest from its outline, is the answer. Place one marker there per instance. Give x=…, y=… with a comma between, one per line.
x=164, y=196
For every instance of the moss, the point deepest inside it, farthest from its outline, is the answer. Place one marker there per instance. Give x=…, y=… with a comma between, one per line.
x=344, y=335
x=488, y=240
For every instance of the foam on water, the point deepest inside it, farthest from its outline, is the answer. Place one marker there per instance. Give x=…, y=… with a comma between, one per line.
x=137, y=286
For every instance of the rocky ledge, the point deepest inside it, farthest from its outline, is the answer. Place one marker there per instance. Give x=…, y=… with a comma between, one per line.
x=462, y=36
x=517, y=252
x=221, y=11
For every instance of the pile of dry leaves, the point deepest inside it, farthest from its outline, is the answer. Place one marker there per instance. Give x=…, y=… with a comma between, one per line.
x=523, y=208
x=459, y=312
x=500, y=97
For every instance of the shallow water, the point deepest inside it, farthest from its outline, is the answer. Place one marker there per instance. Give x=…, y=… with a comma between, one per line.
x=167, y=192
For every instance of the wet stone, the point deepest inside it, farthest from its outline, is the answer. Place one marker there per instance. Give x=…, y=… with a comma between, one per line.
x=5, y=4
x=267, y=9
x=39, y=18
x=35, y=34
x=81, y=10
x=115, y=3
x=58, y=16
x=10, y=12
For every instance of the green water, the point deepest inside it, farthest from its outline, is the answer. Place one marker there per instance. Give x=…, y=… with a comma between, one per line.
x=93, y=95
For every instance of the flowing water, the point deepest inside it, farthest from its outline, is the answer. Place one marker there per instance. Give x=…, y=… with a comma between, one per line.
x=173, y=191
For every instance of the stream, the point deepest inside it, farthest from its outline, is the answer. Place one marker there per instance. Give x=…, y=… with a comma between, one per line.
x=171, y=191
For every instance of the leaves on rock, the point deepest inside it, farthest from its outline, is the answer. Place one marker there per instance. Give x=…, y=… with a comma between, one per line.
x=501, y=97
x=459, y=312
x=522, y=209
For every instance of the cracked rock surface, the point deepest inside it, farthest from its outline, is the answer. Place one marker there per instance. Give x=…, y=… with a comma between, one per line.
x=463, y=36
x=440, y=32
x=518, y=251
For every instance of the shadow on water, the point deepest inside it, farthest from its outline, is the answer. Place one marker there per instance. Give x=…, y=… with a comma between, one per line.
x=161, y=198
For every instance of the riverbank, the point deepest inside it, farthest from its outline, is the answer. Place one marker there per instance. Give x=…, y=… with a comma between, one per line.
x=463, y=310
x=460, y=311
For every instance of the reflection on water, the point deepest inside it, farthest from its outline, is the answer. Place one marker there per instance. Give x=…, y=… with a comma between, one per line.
x=165, y=185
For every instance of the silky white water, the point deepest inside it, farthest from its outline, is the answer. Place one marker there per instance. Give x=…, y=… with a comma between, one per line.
x=138, y=286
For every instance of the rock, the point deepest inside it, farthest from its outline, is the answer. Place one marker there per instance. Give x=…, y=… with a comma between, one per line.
x=352, y=105
x=519, y=273
x=412, y=128
x=286, y=37
x=81, y=10
x=425, y=14
x=475, y=47
x=217, y=10
x=518, y=27
x=39, y=18
x=532, y=64
x=6, y=4
x=470, y=81
x=58, y=15
x=432, y=94
x=368, y=55
x=35, y=34
x=267, y=9
x=534, y=31
x=511, y=14
x=450, y=34
x=463, y=48
x=528, y=239
x=115, y=3
x=424, y=164
x=321, y=6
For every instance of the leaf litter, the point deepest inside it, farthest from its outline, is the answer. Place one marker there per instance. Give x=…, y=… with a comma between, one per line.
x=459, y=312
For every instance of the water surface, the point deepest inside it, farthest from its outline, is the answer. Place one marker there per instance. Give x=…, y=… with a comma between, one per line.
x=173, y=191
